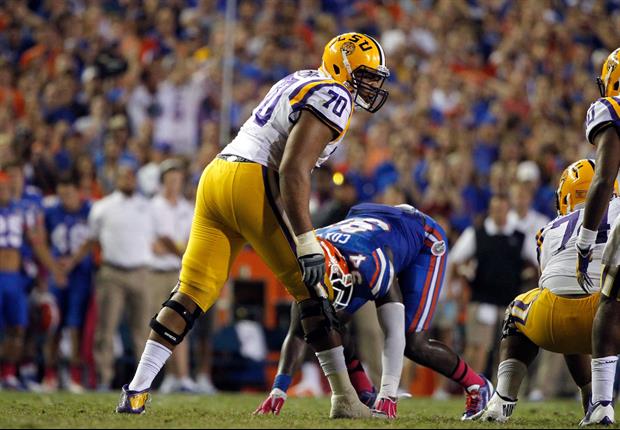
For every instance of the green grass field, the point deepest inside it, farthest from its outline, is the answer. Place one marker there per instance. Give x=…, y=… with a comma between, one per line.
x=20, y=410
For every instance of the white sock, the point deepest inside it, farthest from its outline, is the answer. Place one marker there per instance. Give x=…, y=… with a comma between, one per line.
x=153, y=359
x=603, y=375
x=510, y=375
x=335, y=369
x=332, y=360
x=389, y=385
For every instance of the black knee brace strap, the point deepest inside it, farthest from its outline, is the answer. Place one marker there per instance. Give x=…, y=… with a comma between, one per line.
x=317, y=308
x=189, y=318
x=509, y=326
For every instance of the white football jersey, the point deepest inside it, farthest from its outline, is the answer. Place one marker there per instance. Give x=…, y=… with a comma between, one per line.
x=602, y=113
x=263, y=136
x=558, y=257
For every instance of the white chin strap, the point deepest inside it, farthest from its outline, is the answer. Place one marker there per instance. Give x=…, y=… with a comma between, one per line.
x=359, y=100
x=346, y=63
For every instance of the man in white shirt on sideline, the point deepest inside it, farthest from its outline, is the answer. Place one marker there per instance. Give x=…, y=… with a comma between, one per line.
x=500, y=253
x=528, y=221
x=122, y=224
x=149, y=175
x=172, y=215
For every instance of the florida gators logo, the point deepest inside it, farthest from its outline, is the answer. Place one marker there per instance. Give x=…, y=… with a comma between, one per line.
x=439, y=248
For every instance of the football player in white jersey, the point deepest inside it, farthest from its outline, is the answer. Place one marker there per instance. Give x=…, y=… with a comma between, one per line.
x=602, y=131
x=257, y=191
x=558, y=315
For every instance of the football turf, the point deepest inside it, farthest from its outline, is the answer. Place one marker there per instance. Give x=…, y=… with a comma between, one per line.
x=22, y=410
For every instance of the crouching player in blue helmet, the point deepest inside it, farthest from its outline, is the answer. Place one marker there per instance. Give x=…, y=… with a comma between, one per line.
x=396, y=257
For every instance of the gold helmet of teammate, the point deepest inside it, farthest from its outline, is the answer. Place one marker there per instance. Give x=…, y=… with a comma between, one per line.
x=574, y=185
x=357, y=61
x=609, y=81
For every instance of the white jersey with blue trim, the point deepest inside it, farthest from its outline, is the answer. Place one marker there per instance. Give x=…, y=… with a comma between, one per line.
x=602, y=113
x=263, y=136
x=557, y=253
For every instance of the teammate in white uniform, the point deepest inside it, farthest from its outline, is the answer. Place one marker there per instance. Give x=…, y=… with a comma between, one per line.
x=602, y=131
x=558, y=315
x=257, y=191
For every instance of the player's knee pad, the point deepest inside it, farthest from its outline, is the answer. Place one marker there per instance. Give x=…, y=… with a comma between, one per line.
x=610, y=282
x=320, y=307
x=189, y=318
x=509, y=326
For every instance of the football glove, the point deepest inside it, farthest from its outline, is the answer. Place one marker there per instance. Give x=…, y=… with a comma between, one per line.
x=272, y=404
x=311, y=259
x=385, y=407
x=584, y=257
x=312, y=268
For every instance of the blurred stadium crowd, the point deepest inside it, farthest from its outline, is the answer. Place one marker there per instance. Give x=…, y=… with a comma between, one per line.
x=483, y=95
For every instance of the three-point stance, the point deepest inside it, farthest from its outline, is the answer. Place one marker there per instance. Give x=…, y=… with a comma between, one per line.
x=396, y=257
x=257, y=191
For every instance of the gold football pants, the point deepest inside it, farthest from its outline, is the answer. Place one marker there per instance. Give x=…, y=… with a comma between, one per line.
x=237, y=203
x=557, y=324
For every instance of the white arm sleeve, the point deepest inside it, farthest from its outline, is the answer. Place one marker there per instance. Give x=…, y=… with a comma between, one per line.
x=392, y=320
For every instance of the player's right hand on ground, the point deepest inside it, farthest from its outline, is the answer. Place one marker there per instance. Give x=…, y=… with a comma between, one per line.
x=273, y=404
x=385, y=407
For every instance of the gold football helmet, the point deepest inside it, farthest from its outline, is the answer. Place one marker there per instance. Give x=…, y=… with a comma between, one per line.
x=574, y=185
x=609, y=81
x=357, y=61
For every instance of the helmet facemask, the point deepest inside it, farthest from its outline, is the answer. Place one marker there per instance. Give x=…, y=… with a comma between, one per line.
x=609, y=68
x=367, y=85
x=342, y=285
x=337, y=277
x=602, y=88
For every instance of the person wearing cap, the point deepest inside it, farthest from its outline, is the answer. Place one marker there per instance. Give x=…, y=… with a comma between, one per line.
x=149, y=175
x=528, y=174
x=123, y=226
x=173, y=215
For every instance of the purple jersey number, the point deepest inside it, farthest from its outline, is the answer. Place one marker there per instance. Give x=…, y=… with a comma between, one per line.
x=572, y=220
x=265, y=109
x=340, y=104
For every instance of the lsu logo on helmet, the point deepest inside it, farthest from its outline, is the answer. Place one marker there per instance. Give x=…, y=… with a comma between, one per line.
x=358, y=62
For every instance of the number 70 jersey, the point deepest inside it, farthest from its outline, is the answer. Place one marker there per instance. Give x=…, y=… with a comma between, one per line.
x=263, y=136
x=557, y=255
